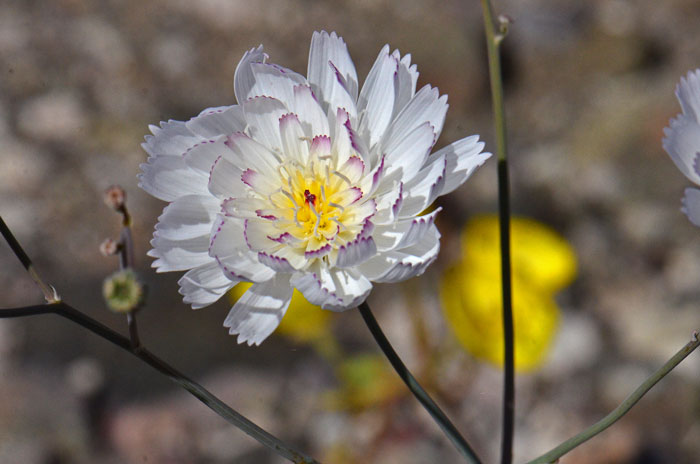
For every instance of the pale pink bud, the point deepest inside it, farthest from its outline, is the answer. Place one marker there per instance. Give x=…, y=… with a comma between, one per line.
x=114, y=197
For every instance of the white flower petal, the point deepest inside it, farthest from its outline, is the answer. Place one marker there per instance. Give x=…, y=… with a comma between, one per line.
x=309, y=111
x=409, y=153
x=294, y=142
x=396, y=266
x=188, y=217
x=274, y=81
x=243, y=79
x=688, y=94
x=424, y=188
x=179, y=255
x=691, y=205
x=682, y=143
x=204, y=285
x=199, y=297
x=228, y=247
x=376, y=101
x=331, y=72
x=172, y=138
x=406, y=80
x=203, y=155
x=426, y=106
x=462, y=158
x=259, y=311
x=355, y=252
x=263, y=115
x=225, y=180
x=276, y=263
x=404, y=232
x=334, y=289
x=208, y=276
x=214, y=122
x=389, y=205
x=249, y=153
x=168, y=177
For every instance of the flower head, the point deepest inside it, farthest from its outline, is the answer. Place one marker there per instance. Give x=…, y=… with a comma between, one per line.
x=308, y=182
x=682, y=141
x=542, y=264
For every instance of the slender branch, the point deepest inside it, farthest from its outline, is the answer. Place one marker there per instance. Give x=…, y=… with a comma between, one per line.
x=622, y=409
x=212, y=402
x=49, y=292
x=442, y=420
x=116, y=198
x=493, y=41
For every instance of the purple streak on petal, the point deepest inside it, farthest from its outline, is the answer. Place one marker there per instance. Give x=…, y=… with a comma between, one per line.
x=367, y=229
x=211, y=171
x=203, y=142
x=248, y=176
x=285, y=118
x=215, y=234
x=399, y=201
x=355, y=162
x=326, y=294
x=339, y=77
x=225, y=206
x=357, y=192
x=321, y=143
x=245, y=233
x=231, y=139
x=355, y=252
x=285, y=238
x=231, y=275
x=342, y=115
x=324, y=250
x=277, y=263
x=260, y=214
x=378, y=173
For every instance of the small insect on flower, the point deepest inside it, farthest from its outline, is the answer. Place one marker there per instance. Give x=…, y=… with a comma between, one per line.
x=682, y=141
x=308, y=182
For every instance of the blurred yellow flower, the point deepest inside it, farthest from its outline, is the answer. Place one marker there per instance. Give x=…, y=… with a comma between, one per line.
x=539, y=256
x=366, y=381
x=470, y=292
x=303, y=321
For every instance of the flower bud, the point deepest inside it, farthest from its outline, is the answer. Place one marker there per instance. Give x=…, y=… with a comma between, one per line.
x=114, y=197
x=109, y=247
x=122, y=291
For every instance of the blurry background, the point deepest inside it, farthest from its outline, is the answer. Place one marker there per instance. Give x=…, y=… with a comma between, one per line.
x=589, y=87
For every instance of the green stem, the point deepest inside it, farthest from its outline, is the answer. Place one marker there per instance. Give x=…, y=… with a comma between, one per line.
x=202, y=394
x=493, y=41
x=442, y=420
x=622, y=409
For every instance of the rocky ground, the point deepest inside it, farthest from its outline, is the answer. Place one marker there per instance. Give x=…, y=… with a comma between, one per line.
x=589, y=88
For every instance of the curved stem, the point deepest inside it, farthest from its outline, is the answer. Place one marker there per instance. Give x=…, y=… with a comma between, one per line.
x=442, y=420
x=202, y=394
x=493, y=41
x=622, y=409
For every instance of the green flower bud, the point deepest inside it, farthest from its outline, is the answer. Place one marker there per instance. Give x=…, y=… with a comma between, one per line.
x=122, y=291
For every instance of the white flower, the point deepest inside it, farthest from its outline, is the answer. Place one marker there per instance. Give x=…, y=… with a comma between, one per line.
x=682, y=141
x=304, y=184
